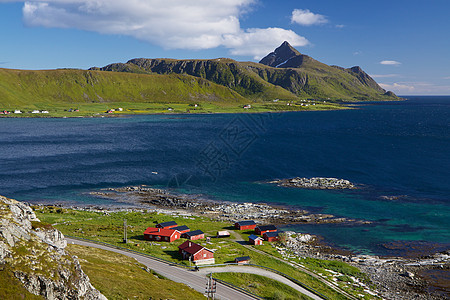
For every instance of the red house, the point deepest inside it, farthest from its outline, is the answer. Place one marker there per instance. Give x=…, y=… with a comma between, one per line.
x=196, y=253
x=182, y=229
x=161, y=235
x=193, y=235
x=271, y=236
x=242, y=260
x=245, y=225
x=255, y=240
x=167, y=225
x=265, y=228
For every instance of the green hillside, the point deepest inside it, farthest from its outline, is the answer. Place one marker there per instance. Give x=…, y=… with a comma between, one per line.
x=284, y=74
x=34, y=89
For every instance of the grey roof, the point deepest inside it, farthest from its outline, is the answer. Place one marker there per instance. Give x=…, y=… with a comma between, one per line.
x=271, y=234
x=193, y=233
x=253, y=237
x=165, y=224
x=244, y=223
x=267, y=227
x=180, y=228
x=242, y=258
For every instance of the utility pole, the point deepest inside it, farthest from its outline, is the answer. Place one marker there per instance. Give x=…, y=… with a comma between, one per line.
x=210, y=287
x=125, y=237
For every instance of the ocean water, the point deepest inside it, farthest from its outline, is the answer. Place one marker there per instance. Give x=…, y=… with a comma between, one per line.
x=398, y=152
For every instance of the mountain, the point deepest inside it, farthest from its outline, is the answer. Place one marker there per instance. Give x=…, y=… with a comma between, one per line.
x=285, y=74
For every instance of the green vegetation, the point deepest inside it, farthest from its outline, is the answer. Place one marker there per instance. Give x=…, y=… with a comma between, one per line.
x=108, y=227
x=120, y=277
x=11, y=288
x=261, y=286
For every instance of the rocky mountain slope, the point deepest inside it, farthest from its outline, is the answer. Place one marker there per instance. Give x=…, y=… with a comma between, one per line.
x=32, y=253
x=284, y=74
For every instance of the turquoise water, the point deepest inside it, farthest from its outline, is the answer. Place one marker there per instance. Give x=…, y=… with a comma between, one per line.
x=391, y=149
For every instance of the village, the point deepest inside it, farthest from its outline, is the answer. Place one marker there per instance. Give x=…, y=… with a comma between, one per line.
x=199, y=255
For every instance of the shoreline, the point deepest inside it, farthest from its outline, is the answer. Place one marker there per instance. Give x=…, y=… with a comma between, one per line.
x=413, y=277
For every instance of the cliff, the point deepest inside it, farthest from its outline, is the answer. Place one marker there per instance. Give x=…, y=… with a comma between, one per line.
x=32, y=253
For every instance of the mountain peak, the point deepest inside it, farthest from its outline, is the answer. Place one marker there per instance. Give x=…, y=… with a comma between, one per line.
x=281, y=56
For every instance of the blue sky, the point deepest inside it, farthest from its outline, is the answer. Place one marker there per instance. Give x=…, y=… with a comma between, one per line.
x=404, y=45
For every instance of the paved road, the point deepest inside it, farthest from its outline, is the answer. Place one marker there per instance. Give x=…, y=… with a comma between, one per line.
x=262, y=272
x=193, y=279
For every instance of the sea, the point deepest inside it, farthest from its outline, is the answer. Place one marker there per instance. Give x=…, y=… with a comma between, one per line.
x=398, y=153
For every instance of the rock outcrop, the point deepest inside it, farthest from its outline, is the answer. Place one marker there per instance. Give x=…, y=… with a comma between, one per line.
x=35, y=254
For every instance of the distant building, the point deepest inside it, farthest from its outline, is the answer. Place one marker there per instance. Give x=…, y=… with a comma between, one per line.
x=193, y=235
x=222, y=234
x=161, y=234
x=261, y=229
x=255, y=240
x=196, y=253
x=245, y=225
x=182, y=229
x=271, y=236
x=166, y=225
x=242, y=260
x=17, y=111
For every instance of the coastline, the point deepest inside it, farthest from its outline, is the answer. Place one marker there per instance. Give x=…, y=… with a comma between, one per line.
x=413, y=277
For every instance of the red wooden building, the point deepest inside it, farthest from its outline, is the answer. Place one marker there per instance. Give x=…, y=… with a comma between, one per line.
x=271, y=236
x=261, y=229
x=255, y=240
x=193, y=235
x=245, y=225
x=167, y=225
x=161, y=235
x=196, y=253
x=242, y=260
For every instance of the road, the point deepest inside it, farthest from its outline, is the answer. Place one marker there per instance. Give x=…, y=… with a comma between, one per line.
x=195, y=280
x=262, y=272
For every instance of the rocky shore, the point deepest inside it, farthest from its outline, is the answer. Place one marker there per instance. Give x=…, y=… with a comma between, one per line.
x=315, y=183
x=228, y=211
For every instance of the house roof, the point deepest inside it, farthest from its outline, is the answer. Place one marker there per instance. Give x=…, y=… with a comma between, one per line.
x=242, y=258
x=159, y=231
x=266, y=227
x=193, y=233
x=180, y=228
x=165, y=224
x=254, y=237
x=191, y=247
x=245, y=223
x=271, y=234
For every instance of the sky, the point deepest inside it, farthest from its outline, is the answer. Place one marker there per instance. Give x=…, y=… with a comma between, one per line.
x=403, y=45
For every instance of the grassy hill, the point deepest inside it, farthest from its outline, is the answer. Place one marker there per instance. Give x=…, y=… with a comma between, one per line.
x=34, y=89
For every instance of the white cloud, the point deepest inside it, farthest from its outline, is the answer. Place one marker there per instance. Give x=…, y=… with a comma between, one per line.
x=390, y=63
x=172, y=24
x=384, y=75
x=416, y=88
x=307, y=18
x=398, y=88
x=340, y=26
x=448, y=77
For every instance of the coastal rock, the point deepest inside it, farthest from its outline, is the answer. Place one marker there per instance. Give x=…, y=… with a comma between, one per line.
x=315, y=183
x=34, y=253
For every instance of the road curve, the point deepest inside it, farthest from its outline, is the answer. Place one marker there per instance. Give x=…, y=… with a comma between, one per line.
x=190, y=278
x=262, y=272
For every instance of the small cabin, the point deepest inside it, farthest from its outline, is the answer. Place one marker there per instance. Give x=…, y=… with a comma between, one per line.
x=193, y=235
x=196, y=253
x=245, y=225
x=255, y=240
x=242, y=260
x=167, y=225
x=182, y=228
x=260, y=230
x=223, y=234
x=161, y=234
x=271, y=236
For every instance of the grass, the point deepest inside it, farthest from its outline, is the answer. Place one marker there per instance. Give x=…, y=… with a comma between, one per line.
x=11, y=288
x=262, y=286
x=120, y=277
x=109, y=229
